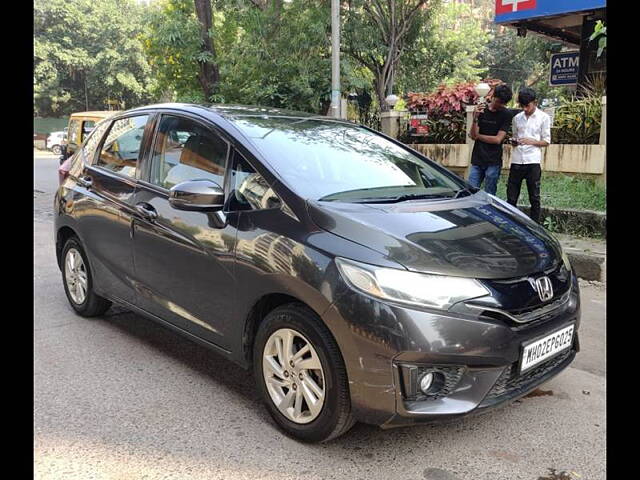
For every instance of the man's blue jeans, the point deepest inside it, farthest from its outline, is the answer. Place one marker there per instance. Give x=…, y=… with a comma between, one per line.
x=489, y=173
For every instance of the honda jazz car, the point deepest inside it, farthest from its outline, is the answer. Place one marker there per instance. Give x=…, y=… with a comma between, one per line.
x=359, y=280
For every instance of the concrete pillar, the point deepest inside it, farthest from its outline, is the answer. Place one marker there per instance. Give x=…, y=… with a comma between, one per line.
x=343, y=108
x=603, y=140
x=469, y=109
x=390, y=122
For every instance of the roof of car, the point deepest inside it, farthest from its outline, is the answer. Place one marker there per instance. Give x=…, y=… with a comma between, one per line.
x=96, y=113
x=232, y=112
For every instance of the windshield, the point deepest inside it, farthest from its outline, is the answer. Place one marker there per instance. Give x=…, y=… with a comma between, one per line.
x=329, y=161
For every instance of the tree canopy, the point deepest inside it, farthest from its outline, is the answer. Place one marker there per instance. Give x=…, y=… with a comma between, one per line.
x=266, y=52
x=88, y=52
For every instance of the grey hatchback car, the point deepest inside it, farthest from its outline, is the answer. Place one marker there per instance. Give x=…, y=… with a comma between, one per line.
x=358, y=279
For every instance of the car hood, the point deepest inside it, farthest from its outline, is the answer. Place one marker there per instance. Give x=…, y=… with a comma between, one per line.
x=477, y=236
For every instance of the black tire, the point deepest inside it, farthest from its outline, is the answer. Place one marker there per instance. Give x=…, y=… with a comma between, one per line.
x=93, y=304
x=335, y=418
x=56, y=150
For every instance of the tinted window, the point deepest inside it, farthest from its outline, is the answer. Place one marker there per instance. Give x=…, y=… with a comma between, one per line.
x=249, y=189
x=336, y=161
x=121, y=148
x=185, y=150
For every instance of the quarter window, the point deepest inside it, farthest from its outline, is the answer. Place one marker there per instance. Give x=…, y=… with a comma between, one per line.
x=121, y=148
x=185, y=150
x=249, y=189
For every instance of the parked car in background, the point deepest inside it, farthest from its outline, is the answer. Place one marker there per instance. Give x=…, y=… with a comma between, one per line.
x=55, y=140
x=80, y=125
x=359, y=280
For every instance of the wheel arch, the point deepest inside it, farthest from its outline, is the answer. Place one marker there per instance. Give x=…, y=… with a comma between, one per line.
x=62, y=235
x=260, y=309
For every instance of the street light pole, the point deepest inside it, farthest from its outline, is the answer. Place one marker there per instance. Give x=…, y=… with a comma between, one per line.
x=335, y=59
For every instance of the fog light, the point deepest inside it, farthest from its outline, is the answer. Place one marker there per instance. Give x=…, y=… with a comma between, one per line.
x=425, y=382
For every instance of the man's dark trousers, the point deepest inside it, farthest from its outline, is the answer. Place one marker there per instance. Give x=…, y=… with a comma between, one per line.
x=531, y=173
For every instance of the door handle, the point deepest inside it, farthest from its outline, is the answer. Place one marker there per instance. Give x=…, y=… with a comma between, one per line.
x=147, y=211
x=85, y=181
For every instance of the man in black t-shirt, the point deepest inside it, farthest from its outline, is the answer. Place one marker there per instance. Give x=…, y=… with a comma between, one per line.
x=490, y=126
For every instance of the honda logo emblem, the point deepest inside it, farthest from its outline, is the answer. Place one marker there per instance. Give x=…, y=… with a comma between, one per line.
x=544, y=288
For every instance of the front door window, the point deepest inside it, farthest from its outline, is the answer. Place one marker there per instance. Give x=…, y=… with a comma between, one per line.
x=185, y=150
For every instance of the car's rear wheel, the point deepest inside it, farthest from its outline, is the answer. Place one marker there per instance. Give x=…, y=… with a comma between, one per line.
x=301, y=375
x=78, y=281
x=56, y=149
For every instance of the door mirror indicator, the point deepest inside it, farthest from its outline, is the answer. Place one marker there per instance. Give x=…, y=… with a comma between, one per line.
x=199, y=195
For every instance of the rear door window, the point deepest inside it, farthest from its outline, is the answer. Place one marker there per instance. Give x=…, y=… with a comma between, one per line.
x=121, y=148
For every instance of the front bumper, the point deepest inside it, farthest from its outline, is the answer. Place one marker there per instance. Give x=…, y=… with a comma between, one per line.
x=376, y=338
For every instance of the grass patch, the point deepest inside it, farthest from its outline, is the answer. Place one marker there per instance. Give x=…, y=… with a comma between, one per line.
x=562, y=191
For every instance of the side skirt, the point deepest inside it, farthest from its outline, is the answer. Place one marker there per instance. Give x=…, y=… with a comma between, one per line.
x=212, y=346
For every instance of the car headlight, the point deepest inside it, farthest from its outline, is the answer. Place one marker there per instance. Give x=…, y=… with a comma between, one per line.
x=437, y=291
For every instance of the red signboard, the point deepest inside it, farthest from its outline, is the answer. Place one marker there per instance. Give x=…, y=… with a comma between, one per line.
x=418, y=124
x=510, y=6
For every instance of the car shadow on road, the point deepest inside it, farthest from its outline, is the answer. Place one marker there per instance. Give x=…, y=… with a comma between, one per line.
x=241, y=383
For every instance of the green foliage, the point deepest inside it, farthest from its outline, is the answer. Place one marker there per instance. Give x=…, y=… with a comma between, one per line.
x=379, y=35
x=600, y=33
x=86, y=52
x=171, y=43
x=519, y=61
x=446, y=50
x=579, y=192
x=277, y=56
x=577, y=119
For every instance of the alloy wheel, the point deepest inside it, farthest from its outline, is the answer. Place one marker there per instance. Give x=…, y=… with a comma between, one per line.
x=293, y=375
x=75, y=274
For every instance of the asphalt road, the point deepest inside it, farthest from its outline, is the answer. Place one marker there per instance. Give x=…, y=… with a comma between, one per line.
x=120, y=397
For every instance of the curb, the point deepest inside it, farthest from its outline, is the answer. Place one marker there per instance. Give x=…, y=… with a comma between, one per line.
x=589, y=267
x=576, y=222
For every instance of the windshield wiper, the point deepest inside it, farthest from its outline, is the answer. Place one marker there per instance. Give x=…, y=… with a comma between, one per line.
x=402, y=198
x=464, y=192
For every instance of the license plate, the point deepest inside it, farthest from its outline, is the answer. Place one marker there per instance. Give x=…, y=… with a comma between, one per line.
x=543, y=349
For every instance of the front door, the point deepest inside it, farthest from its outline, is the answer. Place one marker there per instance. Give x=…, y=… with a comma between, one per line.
x=184, y=260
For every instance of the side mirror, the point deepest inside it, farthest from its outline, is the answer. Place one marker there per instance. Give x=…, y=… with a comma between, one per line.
x=198, y=195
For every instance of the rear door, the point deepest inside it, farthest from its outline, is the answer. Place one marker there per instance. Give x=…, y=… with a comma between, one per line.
x=105, y=213
x=184, y=260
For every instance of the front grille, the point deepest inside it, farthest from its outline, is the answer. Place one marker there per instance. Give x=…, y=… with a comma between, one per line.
x=510, y=383
x=529, y=316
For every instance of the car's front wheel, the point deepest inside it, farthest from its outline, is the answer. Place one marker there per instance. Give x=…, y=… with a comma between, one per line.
x=301, y=375
x=56, y=150
x=78, y=281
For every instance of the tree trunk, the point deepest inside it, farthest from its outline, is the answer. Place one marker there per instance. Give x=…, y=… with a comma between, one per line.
x=381, y=91
x=208, y=75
